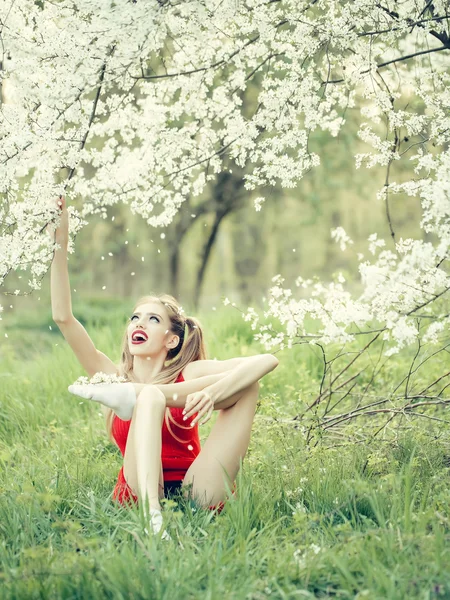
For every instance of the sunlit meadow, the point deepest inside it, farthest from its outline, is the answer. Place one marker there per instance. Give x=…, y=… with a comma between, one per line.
x=364, y=521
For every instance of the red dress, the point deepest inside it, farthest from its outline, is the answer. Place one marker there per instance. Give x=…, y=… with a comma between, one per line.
x=177, y=453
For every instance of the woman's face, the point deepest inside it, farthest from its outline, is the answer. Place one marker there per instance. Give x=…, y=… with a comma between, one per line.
x=152, y=322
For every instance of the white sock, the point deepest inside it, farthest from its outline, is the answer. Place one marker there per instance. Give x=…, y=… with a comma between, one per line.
x=121, y=397
x=156, y=522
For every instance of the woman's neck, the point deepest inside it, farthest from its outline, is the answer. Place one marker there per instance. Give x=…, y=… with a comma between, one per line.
x=146, y=369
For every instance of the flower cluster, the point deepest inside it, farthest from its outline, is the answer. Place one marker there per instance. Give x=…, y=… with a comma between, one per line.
x=99, y=378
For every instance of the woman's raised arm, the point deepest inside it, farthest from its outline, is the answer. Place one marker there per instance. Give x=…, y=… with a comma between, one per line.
x=59, y=275
x=91, y=359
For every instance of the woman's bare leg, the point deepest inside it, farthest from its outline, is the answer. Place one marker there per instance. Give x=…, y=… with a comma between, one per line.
x=142, y=461
x=226, y=445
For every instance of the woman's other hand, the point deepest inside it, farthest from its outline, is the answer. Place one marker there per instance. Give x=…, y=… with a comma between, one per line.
x=199, y=402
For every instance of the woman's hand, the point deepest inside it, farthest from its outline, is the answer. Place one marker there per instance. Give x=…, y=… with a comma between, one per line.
x=61, y=233
x=201, y=402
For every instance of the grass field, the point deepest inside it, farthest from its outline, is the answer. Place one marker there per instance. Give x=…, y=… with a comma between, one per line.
x=368, y=521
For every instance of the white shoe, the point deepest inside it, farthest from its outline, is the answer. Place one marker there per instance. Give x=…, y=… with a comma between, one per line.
x=156, y=522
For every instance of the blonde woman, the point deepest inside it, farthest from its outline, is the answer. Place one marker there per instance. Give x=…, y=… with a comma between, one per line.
x=170, y=388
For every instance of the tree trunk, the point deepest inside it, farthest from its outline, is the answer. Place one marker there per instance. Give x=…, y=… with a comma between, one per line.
x=174, y=265
x=206, y=254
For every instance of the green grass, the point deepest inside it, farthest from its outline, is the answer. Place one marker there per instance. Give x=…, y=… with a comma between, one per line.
x=365, y=521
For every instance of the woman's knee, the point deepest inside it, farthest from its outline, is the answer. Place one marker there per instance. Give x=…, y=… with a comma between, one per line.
x=252, y=392
x=255, y=387
x=151, y=394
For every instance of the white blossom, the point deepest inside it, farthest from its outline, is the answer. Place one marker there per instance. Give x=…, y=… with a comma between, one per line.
x=431, y=334
x=154, y=106
x=339, y=235
x=257, y=202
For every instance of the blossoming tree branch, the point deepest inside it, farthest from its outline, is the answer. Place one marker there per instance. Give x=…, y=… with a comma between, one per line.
x=146, y=102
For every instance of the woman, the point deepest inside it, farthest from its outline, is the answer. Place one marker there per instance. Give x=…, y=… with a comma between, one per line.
x=163, y=361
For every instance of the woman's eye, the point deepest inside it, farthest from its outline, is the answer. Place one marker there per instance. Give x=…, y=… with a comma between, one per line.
x=133, y=317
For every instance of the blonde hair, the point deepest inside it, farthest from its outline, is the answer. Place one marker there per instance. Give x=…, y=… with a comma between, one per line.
x=190, y=347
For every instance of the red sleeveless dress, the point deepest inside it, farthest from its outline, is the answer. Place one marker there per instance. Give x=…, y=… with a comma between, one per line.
x=180, y=446
x=178, y=453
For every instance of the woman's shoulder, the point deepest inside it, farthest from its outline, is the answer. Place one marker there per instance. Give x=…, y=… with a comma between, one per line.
x=189, y=372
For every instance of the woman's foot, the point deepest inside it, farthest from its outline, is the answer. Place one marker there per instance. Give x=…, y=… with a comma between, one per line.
x=121, y=397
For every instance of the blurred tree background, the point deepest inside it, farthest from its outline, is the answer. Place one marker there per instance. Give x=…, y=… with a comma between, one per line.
x=219, y=245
